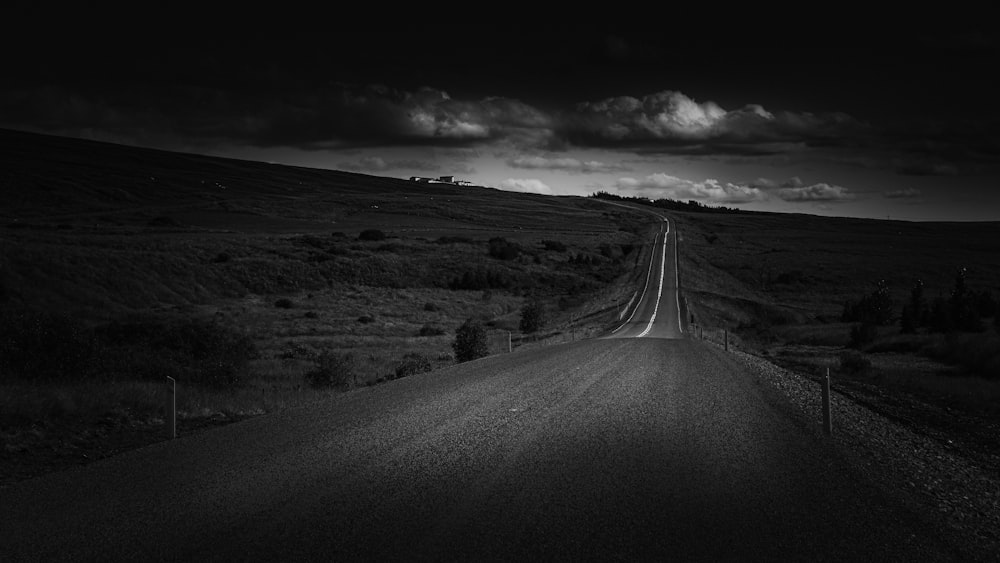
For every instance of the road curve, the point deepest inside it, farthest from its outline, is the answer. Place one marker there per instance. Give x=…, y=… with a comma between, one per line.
x=652, y=448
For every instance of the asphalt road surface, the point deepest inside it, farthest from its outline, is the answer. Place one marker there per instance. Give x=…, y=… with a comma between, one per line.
x=623, y=448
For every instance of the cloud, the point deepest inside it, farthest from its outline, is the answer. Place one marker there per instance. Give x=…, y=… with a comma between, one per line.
x=815, y=192
x=377, y=164
x=924, y=168
x=662, y=185
x=567, y=164
x=529, y=185
x=670, y=121
x=905, y=193
x=768, y=184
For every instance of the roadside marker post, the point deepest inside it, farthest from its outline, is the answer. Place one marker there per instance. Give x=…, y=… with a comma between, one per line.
x=510, y=345
x=172, y=409
x=726, y=333
x=827, y=419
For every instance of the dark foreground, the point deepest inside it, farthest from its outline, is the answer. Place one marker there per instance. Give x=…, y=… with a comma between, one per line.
x=609, y=449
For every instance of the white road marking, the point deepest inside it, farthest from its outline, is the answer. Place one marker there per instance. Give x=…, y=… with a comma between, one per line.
x=659, y=291
x=677, y=286
x=648, y=272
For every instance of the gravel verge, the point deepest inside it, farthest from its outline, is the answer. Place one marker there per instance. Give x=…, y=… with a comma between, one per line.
x=933, y=475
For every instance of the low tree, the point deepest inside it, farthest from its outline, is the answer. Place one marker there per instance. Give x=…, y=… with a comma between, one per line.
x=470, y=341
x=532, y=317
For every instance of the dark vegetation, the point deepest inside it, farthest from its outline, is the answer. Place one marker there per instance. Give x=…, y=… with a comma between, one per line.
x=202, y=259
x=470, y=341
x=669, y=204
x=532, y=317
x=333, y=369
x=901, y=311
x=40, y=346
x=412, y=364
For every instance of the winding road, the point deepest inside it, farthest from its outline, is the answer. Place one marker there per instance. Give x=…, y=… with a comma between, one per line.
x=643, y=445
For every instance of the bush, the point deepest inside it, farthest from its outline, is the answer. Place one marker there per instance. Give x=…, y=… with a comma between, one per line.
x=875, y=308
x=283, y=303
x=371, y=235
x=470, y=342
x=502, y=249
x=366, y=319
x=220, y=258
x=554, y=245
x=431, y=307
x=311, y=315
x=862, y=334
x=854, y=362
x=412, y=364
x=42, y=346
x=429, y=330
x=332, y=370
x=532, y=317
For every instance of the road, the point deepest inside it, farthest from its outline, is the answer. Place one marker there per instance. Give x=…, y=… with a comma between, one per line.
x=620, y=448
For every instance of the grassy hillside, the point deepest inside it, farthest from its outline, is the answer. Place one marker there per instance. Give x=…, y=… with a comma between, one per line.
x=123, y=265
x=779, y=284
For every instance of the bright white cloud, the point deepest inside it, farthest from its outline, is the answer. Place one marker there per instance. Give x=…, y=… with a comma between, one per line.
x=565, y=163
x=710, y=190
x=529, y=185
x=674, y=121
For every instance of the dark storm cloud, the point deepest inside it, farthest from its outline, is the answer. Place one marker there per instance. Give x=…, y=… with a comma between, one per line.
x=905, y=193
x=567, y=164
x=335, y=115
x=378, y=164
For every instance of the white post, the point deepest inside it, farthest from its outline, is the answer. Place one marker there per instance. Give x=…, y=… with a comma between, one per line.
x=827, y=418
x=510, y=345
x=172, y=409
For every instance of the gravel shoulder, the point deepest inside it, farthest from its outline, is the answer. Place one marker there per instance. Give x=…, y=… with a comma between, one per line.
x=952, y=483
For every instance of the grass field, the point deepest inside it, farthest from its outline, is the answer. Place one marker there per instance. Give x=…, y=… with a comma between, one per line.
x=778, y=283
x=103, y=236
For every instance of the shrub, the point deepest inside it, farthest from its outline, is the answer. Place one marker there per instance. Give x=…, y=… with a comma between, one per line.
x=220, y=258
x=412, y=364
x=875, y=308
x=554, y=245
x=338, y=234
x=854, y=362
x=366, y=319
x=532, y=317
x=862, y=334
x=470, y=341
x=283, y=303
x=311, y=315
x=372, y=235
x=431, y=307
x=502, y=249
x=429, y=330
x=332, y=370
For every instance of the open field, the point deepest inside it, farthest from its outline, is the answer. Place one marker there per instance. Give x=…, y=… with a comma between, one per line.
x=120, y=244
x=779, y=283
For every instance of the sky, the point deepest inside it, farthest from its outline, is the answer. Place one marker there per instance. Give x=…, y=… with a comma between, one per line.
x=829, y=114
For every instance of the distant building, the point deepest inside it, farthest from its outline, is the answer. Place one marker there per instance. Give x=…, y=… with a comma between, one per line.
x=441, y=180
